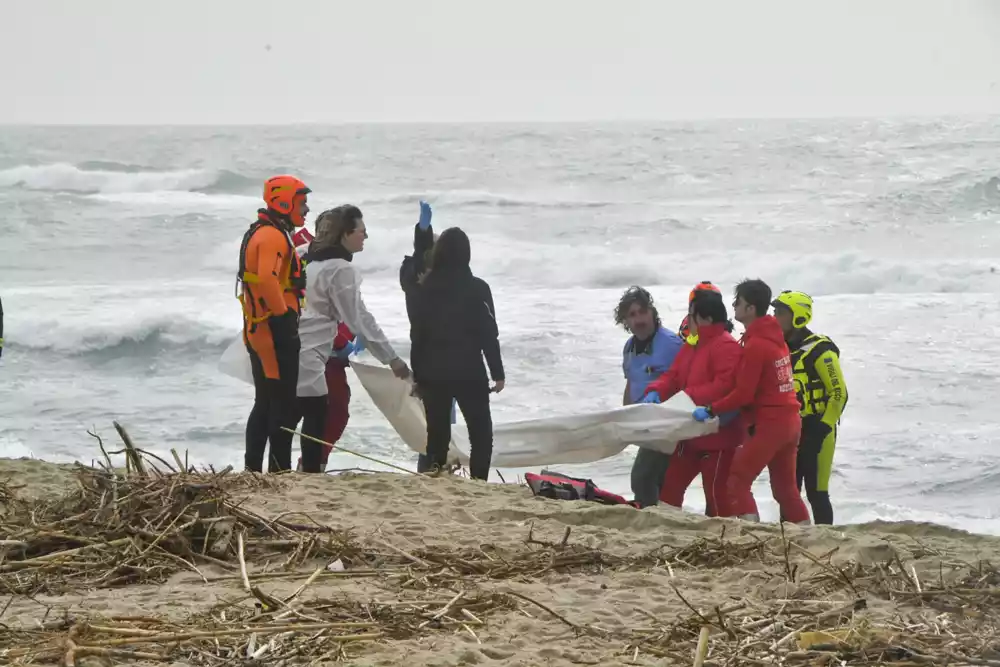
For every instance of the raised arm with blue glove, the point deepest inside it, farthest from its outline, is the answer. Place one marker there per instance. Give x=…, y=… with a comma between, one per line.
x=425, y=215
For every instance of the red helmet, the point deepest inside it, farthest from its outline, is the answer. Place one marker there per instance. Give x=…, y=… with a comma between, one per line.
x=287, y=196
x=703, y=286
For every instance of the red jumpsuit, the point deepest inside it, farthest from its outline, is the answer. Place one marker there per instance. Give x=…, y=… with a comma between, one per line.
x=765, y=392
x=339, y=392
x=704, y=371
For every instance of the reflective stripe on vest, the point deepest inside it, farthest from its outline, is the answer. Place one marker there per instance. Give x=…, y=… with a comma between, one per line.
x=809, y=387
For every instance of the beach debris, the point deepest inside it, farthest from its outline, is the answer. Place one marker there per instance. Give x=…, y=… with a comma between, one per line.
x=149, y=520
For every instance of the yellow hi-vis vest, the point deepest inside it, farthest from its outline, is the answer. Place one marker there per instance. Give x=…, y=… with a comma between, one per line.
x=809, y=386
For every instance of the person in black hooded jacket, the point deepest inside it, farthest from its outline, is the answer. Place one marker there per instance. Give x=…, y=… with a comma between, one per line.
x=452, y=327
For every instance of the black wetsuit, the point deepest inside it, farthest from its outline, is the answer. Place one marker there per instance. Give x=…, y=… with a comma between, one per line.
x=274, y=404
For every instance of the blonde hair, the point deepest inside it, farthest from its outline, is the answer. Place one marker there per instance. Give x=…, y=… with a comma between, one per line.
x=333, y=225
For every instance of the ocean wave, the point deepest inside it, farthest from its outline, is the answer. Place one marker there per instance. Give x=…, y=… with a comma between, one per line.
x=173, y=200
x=985, y=191
x=981, y=480
x=515, y=262
x=143, y=336
x=136, y=321
x=106, y=165
x=14, y=448
x=823, y=275
x=853, y=273
x=858, y=515
x=97, y=177
x=962, y=196
x=483, y=199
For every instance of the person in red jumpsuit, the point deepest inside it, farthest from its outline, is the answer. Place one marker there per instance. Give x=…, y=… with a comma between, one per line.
x=339, y=391
x=765, y=392
x=705, y=369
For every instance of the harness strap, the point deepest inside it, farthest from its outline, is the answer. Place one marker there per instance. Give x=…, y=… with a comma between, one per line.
x=811, y=351
x=296, y=284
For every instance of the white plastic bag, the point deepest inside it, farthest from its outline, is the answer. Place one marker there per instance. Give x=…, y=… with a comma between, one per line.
x=548, y=440
x=235, y=361
x=561, y=439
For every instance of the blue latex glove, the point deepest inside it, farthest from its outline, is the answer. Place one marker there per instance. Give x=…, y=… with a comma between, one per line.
x=359, y=345
x=651, y=397
x=345, y=351
x=425, y=215
x=701, y=414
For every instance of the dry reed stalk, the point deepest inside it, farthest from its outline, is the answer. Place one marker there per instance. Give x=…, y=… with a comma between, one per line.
x=144, y=523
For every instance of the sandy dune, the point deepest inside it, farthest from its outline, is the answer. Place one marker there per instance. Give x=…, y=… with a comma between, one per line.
x=615, y=608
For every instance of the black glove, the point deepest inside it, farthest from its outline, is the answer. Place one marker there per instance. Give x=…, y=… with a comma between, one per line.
x=284, y=327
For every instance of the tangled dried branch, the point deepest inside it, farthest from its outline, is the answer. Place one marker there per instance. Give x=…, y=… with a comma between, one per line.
x=150, y=519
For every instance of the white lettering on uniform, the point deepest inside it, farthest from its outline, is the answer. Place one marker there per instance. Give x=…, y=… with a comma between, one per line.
x=783, y=371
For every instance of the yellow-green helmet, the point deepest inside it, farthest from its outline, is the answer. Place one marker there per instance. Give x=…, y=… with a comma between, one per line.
x=801, y=305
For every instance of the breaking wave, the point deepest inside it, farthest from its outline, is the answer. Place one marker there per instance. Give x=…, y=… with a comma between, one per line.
x=110, y=178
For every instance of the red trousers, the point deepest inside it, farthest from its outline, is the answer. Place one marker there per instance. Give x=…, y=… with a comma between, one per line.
x=774, y=445
x=686, y=463
x=338, y=400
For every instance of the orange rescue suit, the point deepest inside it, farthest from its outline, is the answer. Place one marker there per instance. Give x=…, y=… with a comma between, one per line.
x=273, y=281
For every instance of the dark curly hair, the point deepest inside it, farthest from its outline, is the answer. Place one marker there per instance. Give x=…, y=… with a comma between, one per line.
x=635, y=295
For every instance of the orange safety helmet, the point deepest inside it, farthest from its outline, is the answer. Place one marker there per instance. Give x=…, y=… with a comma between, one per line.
x=287, y=196
x=703, y=286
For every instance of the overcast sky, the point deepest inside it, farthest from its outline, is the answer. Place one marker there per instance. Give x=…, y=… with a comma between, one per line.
x=248, y=61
